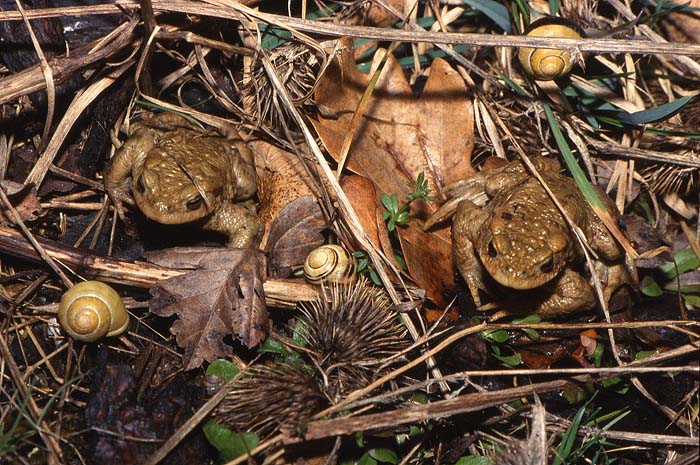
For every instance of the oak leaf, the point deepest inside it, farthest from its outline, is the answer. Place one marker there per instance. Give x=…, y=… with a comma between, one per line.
x=400, y=136
x=222, y=295
x=281, y=180
x=293, y=234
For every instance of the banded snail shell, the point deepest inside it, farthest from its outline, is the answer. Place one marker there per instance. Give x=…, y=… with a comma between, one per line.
x=91, y=310
x=330, y=264
x=545, y=64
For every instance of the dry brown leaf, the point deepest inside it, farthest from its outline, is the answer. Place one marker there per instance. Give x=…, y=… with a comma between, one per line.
x=295, y=231
x=542, y=356
x=679, y=205
x=645, y=238
x=363, y=198
x=589, y=341
x=24, y=199
x=222, y=296
x=374, y=13
x=281, y=179
x=401, y=136
x=428, y=257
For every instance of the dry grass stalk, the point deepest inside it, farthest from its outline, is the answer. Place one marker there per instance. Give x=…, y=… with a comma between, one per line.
x=31, y=79
x=233, y=10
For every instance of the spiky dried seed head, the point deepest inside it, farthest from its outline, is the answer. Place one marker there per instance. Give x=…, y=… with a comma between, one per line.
x=351, y=329
x=297, y=67
x=665, y=179
x=267, y=398
x=531, y=451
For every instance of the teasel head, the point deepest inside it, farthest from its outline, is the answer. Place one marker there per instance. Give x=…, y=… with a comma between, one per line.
x=530, y=451
x=265, y=399
x=667, y=178
x=671, y=179
x=297, y=67
x=351, y=331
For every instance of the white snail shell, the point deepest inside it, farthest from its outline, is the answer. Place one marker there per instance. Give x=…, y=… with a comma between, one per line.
x=330, y=264
x=545, y=64
x=91, y=310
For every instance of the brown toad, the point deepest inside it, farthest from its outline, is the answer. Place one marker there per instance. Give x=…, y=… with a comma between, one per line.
x=181, y=174
x=522, y=241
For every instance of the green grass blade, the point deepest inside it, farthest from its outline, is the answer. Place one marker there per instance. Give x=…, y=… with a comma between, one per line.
x=584, y=185
x=494, y=10
x=651, y=115
x=569, y=438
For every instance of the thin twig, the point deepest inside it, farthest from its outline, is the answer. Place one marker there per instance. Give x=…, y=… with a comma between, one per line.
x=79, y=103
x=334, y=30
x=48, y=77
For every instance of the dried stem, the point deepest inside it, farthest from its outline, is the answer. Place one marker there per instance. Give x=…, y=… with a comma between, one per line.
x=335, y=30
x=278, y=292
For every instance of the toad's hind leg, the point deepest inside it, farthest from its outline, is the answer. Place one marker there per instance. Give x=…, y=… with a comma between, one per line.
x=602, y=240
x=242, y=226
x=613, y=277
x=571, y=293
x=467, y=219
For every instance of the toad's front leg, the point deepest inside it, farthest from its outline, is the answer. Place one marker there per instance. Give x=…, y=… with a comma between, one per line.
x=466, y=222
x=242, y=226
x=117, y=176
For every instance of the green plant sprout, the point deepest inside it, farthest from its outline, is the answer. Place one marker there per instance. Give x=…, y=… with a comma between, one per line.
x=495, y=337
x=670, y=275
x=230, y=444
x=364, y=267
x=398, y=216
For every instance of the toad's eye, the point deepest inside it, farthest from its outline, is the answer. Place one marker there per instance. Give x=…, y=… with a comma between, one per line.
x=194, y=203
x=141, y=185
x=548, y=265
x=493, y=253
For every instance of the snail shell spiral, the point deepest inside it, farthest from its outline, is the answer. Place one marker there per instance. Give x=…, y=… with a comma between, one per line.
x=330, y=264
x=91, y=310
x=545, y=64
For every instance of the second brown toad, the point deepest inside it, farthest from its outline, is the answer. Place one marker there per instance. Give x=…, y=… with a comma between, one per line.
x=520, y=239
x=181, y=174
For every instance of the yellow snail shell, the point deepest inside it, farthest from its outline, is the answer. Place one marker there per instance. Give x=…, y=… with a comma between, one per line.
x=330, y=264
x=91, y=310
x=545, y=64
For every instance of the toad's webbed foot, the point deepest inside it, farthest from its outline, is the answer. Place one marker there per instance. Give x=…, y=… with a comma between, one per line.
x=119, y=196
